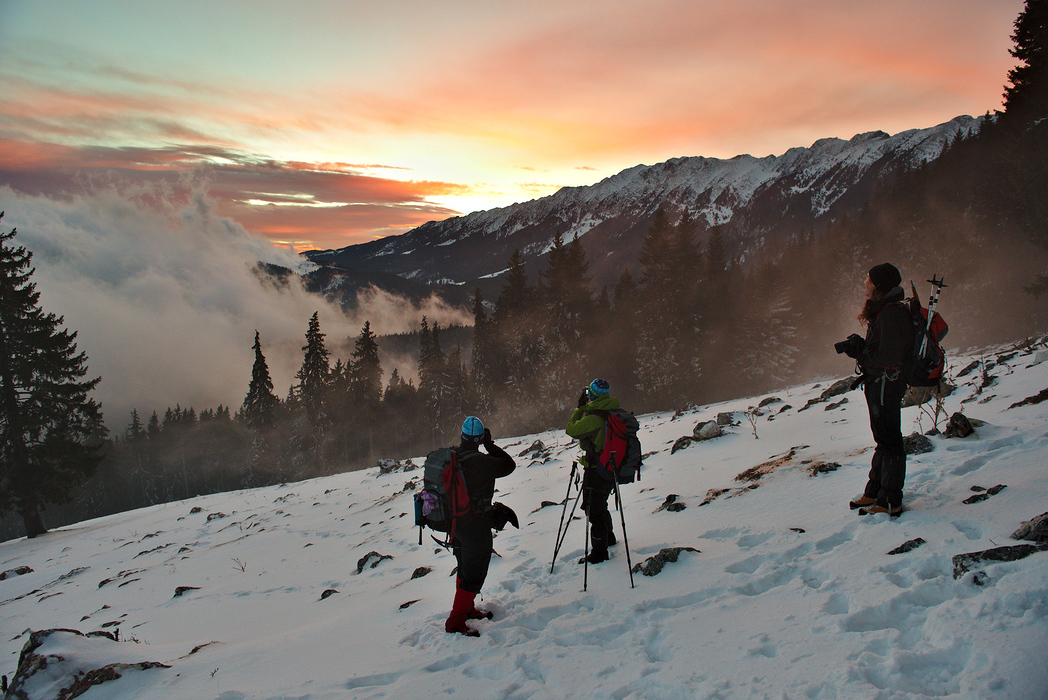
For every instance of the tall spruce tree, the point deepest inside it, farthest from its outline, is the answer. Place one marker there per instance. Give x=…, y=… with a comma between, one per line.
x=1026, y=97
x=313, y=375
x=365, y=369
x=1019, y=186
x=51, y=433
x=261, y=403
x=658, y=351
x=483, y=371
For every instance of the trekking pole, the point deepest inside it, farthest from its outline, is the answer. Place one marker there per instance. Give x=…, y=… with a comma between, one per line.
x=622, y=517
x=562, y=535
x=933, y=301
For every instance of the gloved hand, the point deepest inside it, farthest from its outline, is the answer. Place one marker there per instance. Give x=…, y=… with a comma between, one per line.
x=584, y=399
x=487, y=438
x=501, y=514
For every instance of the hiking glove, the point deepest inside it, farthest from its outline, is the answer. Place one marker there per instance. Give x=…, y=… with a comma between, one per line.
x=487, y=438
x=584, y=399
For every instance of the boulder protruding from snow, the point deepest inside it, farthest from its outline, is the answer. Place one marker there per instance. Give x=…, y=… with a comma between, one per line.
x=963, y=563
x=959, y=426
x=708, y=430
x=374, y=558
x=672, y=504
x=65, y=663
x=705, y=430
x=17, y=571
x=839, y=387
x=653, y=565
x=917, y=444
x=536, y=450
x=1035, y=530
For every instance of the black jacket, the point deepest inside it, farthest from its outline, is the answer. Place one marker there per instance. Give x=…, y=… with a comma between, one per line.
x=480, y=471
x=889, y=337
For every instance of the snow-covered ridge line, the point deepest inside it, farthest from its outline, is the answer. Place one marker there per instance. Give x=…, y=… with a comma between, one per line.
x=806, y=183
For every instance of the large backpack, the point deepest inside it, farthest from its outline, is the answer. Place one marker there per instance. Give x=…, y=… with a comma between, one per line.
x=444, y=497
x=925, y=369
x=621, y=454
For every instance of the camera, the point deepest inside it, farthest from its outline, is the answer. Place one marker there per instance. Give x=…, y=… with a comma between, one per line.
x=852, y=346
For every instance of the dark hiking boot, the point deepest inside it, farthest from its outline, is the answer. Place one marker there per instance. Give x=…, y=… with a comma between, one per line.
x=862, y=502
x=475, y=614
x=892, y=511
x=595, y=557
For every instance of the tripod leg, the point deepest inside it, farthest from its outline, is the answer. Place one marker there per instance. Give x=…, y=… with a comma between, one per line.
x=561, y=535
x=625, y=538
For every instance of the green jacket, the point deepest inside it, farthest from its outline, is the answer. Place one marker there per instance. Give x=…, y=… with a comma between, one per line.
x=588, y=427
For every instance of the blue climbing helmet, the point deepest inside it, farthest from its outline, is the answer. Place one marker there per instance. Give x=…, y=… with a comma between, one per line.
x=597, y=388
x=472, y=430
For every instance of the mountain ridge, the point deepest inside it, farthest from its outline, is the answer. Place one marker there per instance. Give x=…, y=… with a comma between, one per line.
x=758, y=202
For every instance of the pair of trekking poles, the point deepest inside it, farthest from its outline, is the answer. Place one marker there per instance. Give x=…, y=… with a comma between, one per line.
x=562, y=529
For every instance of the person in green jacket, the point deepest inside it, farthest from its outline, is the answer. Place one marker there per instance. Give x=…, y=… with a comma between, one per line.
x=588, y=425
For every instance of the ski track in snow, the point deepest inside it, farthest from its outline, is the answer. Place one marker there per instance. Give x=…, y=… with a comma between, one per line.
x=790, y=594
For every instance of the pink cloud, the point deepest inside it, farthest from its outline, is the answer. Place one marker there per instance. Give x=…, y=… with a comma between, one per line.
x=308, y=205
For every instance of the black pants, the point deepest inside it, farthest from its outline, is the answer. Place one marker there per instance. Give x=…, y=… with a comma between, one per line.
x=888, y=466
x=472, y=547
x=595, y=493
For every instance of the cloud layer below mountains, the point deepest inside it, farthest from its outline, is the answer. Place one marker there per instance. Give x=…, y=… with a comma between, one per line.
x=163, y=294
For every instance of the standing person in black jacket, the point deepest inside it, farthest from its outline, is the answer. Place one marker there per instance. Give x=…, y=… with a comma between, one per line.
x=472, y=541
x=880, y=357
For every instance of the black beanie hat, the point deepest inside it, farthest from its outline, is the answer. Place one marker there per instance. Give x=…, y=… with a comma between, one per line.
x=885, y=277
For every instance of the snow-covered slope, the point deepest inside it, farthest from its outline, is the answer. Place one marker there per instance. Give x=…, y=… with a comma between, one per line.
x=790, y=594
x=773, y=195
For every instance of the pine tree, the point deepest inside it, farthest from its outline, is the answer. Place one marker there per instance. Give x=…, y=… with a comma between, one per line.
x=622, y=351
x=153, y=427
x=365, y=370
x=568, y=310
x=134, y=432
x=658, y=342
x=1026, y=98
x=401, y=409
x=313, y=375
x=1016, y=188
x=432, y=386
x=716, y=258
x=261, y=403
x=483, y=367
x=49, y=429
x=514, y=295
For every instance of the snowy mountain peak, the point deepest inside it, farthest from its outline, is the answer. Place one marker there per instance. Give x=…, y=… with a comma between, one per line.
x=772, y=197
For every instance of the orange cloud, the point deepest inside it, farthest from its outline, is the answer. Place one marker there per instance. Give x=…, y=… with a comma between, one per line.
x=302, y=204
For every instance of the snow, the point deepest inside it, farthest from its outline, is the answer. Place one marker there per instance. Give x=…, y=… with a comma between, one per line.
x=791, y=594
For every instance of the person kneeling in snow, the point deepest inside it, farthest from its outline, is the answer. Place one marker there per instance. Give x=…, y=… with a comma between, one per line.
x=472, y=543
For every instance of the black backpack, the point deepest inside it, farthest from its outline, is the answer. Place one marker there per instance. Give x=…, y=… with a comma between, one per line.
x=621, y=454
x=444, y=497
x=927, y=365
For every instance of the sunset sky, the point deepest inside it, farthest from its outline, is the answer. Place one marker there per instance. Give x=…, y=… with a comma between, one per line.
x=327, y=123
